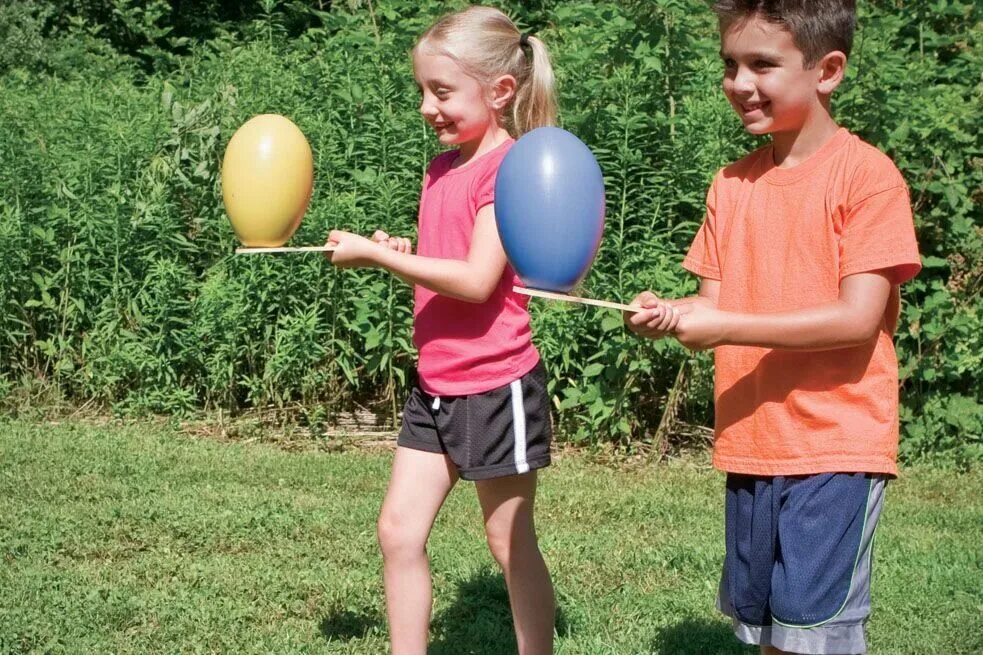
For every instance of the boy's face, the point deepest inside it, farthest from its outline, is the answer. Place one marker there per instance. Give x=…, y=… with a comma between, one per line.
x=764, y=78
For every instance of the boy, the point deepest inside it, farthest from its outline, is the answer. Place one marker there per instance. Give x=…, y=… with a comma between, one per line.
x=800, y=256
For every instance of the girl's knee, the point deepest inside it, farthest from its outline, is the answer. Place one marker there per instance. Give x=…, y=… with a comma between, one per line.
x=511, y=544
x=398, y=538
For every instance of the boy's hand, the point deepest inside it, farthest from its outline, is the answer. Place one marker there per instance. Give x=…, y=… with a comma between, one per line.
x=352, y=250
x=399, y=244
x=655, y=321
x=701, y=325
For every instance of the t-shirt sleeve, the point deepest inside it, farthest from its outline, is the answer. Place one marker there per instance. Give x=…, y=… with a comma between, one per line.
x=484, y=185
x=703, y=257
x=878, y=231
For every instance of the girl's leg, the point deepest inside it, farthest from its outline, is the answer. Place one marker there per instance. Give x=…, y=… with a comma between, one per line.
x=507, y=505
x=419, y=484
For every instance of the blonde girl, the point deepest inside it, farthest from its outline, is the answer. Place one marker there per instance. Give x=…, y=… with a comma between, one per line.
x=480, y=410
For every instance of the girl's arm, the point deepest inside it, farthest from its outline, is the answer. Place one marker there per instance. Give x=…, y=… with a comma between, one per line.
x=470, y=280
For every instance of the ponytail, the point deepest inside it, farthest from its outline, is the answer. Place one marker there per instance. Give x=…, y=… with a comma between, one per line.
x=535, y=99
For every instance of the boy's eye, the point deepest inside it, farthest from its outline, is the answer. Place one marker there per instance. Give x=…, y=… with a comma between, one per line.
x=729, y=64
x=761, y=63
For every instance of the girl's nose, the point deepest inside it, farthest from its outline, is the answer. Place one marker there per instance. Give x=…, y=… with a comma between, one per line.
x=427, y=109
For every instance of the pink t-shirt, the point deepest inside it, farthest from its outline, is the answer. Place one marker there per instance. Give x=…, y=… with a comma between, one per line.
x=466, y=348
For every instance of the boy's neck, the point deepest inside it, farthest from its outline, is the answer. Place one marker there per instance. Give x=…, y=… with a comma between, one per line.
x=493, y=137
x=794, y=147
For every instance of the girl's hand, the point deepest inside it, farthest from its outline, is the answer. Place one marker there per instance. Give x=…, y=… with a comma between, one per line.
x=655, y=321
x=399, y=244
x=352, y=250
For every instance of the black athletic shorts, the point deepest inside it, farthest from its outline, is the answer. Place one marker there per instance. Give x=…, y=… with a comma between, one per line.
x=505, y=431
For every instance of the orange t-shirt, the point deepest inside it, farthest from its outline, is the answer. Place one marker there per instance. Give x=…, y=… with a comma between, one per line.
x=780, y=240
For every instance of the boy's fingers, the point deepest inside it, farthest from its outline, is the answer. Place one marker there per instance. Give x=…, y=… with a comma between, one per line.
x=661, y=323
x=656, y=317
x=673, y=322
x=645, y=316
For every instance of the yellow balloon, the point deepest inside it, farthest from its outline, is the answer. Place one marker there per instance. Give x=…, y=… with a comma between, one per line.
x=267, y=179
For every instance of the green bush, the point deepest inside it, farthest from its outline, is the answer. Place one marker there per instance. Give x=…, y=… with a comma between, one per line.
x=117, y=285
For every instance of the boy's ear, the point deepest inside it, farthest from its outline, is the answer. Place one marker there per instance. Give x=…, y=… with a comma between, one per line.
x=502, y=91
x=832, y=68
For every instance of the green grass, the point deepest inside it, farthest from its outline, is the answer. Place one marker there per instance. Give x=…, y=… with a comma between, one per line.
x=136, y=539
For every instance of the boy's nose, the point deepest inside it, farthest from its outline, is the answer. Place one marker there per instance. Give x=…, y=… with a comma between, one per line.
x=744, y=81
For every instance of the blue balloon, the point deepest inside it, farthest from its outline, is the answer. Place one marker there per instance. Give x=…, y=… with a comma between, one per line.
x=549, y=206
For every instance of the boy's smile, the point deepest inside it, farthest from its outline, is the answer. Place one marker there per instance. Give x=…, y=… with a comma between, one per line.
x=764, y=77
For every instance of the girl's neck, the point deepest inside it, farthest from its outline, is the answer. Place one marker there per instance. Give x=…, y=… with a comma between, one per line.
x=493, y=137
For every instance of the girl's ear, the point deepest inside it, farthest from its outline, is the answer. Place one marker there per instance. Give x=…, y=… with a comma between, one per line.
x=831, y=70
x=502, y=91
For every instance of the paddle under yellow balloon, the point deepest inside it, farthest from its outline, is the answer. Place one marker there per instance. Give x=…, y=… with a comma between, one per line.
x=267, y=179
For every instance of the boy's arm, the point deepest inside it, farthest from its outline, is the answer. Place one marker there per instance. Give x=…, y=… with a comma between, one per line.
x=659, y=318
x=471, y=280
x=850, y=320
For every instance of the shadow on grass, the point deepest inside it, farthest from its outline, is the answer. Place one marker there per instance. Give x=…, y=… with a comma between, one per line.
x=699, y=637
x=345, y=625
x=479, y=621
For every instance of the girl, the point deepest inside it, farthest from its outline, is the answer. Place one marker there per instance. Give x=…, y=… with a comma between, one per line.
x=480, y=411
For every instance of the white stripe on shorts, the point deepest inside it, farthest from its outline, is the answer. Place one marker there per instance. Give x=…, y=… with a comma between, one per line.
x=519, y=427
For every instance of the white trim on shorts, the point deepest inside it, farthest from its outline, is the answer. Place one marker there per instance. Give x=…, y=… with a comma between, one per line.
x=519, y=427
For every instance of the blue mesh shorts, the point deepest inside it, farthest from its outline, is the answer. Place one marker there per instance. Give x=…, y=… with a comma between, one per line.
x=797, y=566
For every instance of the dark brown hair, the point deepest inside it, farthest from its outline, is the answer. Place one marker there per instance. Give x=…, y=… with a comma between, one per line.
x=817, y=27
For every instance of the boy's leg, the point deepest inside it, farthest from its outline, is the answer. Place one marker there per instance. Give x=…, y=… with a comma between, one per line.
x=820, y=596
x=418, y=487
x=817, y=531
x=507, y=505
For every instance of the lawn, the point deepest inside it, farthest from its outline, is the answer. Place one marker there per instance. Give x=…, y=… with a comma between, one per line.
x=140, y=539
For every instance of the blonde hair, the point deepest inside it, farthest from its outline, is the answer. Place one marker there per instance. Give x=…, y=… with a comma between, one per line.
x=486, y=44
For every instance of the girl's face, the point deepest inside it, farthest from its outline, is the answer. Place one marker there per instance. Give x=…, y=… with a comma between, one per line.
x=458, y=107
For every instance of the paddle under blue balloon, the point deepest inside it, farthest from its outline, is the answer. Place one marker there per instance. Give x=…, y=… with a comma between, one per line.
x=549, y=206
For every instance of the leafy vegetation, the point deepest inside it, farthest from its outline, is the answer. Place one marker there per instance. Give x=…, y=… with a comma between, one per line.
x=117, y=286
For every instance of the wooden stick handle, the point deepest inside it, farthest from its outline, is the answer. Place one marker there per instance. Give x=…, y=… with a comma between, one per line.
x=254, y=251
x=549, y=295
